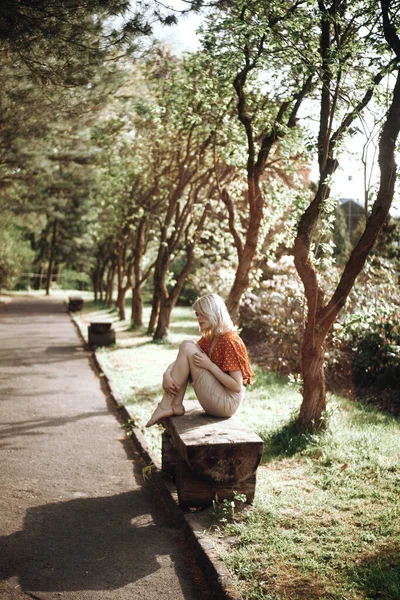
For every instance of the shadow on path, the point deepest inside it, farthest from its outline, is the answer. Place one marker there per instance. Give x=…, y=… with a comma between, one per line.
x=82, y=544
x=35, y=426
x=26, y=307
x=27, y=356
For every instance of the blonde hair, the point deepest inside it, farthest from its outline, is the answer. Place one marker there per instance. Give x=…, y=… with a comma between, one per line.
x=214, y=308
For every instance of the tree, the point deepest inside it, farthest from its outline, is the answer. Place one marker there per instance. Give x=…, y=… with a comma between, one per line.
x=52, y=175
x=15, y=251
x=61, y=42
x=248, y=39
x=341, y=39
x=56, y=57
x=52, y=55
x=125, y=196
x=189, y=224
x=177, y=133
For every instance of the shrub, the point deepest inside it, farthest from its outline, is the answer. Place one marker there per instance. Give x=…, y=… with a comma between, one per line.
x=366, y=335
x=73, y=280
x=15, y=253
x=363, y=347
x=376, y=355
x=272, y=320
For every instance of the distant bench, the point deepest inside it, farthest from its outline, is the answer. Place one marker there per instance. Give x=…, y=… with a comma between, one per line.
x=75, y=303
x=101, y=333
x=210, y=458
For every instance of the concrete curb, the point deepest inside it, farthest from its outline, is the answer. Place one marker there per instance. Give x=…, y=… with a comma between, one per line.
x=220, y=585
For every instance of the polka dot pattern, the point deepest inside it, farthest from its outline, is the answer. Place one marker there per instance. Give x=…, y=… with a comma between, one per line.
x=229, y=354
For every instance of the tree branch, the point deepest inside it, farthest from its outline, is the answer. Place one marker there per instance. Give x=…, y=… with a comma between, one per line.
x=226, y=199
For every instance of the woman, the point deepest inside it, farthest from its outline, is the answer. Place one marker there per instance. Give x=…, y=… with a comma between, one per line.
x=217, y=365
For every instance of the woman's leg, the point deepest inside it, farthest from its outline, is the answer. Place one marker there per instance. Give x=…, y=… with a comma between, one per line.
x=215, y=398
x=172, y=403
x=177, y=403
x=181, y=371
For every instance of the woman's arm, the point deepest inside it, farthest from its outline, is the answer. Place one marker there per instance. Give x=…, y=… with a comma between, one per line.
x=231, y=380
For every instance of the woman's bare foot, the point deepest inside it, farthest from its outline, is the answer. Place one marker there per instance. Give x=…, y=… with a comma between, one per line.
x=159, y=414
x=179, y=410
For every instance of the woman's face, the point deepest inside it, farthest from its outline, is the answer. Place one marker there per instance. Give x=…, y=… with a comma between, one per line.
x=203, y=321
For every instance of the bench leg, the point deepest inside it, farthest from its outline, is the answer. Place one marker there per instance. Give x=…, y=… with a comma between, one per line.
x=169, y=456
x=101, y=339
x=194, y=491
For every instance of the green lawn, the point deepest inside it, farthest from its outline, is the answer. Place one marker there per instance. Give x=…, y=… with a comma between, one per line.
x=325, y=520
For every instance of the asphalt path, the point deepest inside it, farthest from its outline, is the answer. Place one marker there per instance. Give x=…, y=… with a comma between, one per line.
x=76, y=519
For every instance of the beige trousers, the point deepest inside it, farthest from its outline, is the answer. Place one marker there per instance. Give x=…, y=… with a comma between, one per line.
x=214, y=397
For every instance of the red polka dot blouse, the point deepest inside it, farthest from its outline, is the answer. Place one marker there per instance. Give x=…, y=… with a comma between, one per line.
x=229, y=354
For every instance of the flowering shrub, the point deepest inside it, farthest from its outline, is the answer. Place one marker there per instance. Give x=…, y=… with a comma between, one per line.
x=369, y=329
x=364, y=345
x=272, y=319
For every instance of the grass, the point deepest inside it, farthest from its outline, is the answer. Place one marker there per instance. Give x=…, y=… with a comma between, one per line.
x=325, y=520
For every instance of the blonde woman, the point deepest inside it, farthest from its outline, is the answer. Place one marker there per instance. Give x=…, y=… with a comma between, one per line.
x=217, y=365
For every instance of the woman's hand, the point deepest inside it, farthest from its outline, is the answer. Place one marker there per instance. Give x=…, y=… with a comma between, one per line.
x=169, y=384
x=231, y=380
x=202, y=361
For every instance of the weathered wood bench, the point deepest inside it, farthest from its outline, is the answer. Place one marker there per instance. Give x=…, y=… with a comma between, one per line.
x=210, y=458
x=101, y=333
x=75, y=303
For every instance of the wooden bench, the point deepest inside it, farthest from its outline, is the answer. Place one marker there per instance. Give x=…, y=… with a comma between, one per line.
x=75, y=303
x=101, y=333
x=210, y=458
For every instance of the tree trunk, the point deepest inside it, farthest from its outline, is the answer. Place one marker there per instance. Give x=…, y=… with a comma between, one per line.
x=246, y=255
x=110, y=285
x=314, y=390
x=97, y=279
x=120, y=302
x=321, y=317
x=101, y=283
x=38, y=275
x=160, y=274
x=137, y=306
x=155, y=308
x=161, y=297
x=242, y=278
x=49, y=275
x=94, y=284
x=139, y=251
x=164, y=320
x=52, y=257
x=255, y=168
x=122, y=290
x=168, y=302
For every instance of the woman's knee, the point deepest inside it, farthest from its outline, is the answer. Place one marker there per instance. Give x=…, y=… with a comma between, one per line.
x=188, y=347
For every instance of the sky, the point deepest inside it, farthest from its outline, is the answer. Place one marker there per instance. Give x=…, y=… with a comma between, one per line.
x=181, y=37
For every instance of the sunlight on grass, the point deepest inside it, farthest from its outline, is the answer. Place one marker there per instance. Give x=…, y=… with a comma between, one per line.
x=269, y=403
x=328, y=514
x=325, y=521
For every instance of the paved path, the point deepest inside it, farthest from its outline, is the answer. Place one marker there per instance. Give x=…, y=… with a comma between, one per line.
x=76, y=520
